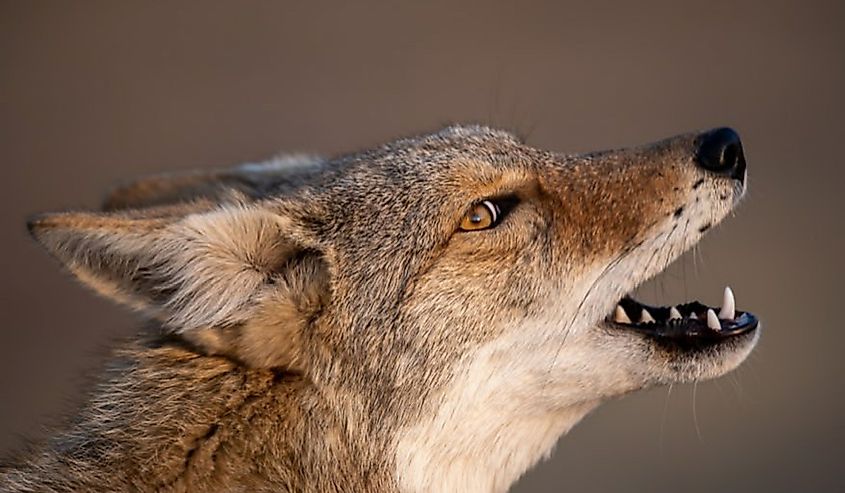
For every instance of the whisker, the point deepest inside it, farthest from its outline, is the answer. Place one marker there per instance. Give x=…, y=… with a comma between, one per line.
x=695, y=411
x=663, y=419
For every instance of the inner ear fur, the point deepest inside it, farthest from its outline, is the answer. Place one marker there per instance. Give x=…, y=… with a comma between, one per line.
x=275, y=335
x=238, y=280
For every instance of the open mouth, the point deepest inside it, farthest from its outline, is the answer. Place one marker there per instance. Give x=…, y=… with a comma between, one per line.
x=693, y=321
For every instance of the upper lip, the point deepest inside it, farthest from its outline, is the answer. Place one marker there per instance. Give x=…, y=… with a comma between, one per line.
x=690, y=321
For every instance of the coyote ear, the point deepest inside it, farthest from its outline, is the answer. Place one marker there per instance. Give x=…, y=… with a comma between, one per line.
x=213, y=269
x=249, y=180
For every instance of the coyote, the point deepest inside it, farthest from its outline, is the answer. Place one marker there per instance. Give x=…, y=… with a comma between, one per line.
x=429, y=315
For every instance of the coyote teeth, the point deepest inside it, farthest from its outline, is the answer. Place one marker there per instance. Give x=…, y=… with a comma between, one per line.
x=674, y=314
x=619, y=316
x=728, y=311
x=645, y=317
x=713, y=320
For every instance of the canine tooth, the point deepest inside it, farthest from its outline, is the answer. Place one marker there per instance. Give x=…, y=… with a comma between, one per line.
x=728, y=311
x=713, y=320
x=674, y=314
x=619, y=315
x=646, y=317
x=693, y=316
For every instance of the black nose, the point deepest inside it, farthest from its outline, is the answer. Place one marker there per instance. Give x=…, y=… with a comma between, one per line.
x=720, y=151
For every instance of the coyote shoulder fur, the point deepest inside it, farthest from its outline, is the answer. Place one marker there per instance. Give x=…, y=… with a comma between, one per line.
x=429, y=315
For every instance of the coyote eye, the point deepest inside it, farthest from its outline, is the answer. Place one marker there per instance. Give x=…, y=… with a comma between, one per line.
x=484, y=215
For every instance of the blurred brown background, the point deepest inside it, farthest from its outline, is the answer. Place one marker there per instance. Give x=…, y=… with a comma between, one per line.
x=92, y=93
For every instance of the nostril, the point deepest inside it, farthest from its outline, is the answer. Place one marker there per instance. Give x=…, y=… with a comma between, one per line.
x=729, y=156
x=720, y=151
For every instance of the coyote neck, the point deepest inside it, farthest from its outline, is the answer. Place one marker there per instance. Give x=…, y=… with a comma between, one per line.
x=485, y=432
x=489, y=458
x=169, y=419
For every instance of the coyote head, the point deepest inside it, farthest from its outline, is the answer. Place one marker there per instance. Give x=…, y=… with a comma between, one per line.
x=462, y=297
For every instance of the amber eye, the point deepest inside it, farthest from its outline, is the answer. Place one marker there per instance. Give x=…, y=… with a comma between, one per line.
x=483, y=215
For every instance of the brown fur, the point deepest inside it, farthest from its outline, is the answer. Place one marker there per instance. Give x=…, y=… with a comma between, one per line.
x=310, y=311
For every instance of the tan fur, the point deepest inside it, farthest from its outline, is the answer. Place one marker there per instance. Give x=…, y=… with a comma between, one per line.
x=322, y=325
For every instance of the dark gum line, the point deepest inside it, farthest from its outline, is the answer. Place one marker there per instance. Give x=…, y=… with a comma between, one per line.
x=686, y=328
x=696, y=330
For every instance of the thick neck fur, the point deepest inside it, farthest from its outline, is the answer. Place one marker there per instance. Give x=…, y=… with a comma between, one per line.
x=173, y=420
x=484, y=432
x=169, y=419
